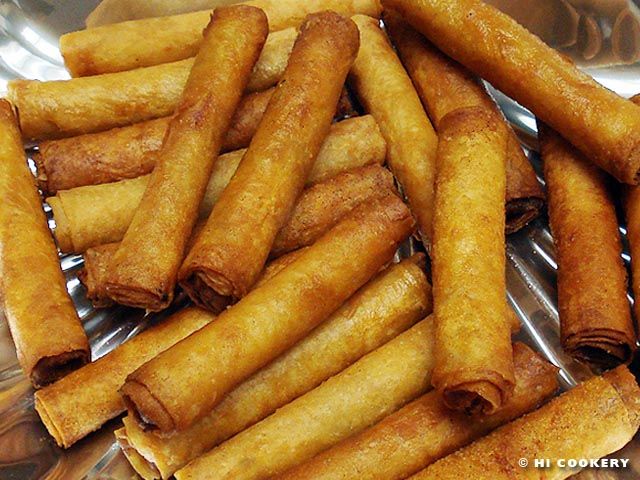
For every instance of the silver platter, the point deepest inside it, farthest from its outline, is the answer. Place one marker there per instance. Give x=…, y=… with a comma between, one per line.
x=29, y=32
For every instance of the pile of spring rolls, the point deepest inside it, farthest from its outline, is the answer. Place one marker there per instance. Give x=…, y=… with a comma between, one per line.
x=269, y=160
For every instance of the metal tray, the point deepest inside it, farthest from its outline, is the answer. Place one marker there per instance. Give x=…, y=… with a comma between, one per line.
x=29, y=31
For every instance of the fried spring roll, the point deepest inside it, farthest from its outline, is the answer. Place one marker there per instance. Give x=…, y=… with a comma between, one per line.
x=474, y=365
x=143, y=271
x=445, y=86
x=592, y=420
x=425, y=430
x=33, y=290
x=235, y=243
x=127, y=152
x=632, y=215
x=94, y=273
x=184, y=383
x=603, y=125
x=370, y=389
x=142, y=43
x=318, y=209
x=94, y=215
x=385, y=90
x=383, y=308
x=84, y=400
x=324, y=204
x=595, y=318
x=66, y=108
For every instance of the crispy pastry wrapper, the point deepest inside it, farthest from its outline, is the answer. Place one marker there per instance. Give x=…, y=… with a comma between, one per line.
x=474, y=364
x=144, y=269
x=445, y=86
x=318, y=209
x=177, y=388
x=603, y=125
x=632, y=215
x=33, y=289
x=234, y=245
x=128, y=152
x=367, y=391
x=94, y=215
x=595, y=317
x=386, y=92
x=426, y=430
x=84, y=400
x=387, y=305
x=592, y=420
x=66, y=108
x=324, y=204
x=152, y=41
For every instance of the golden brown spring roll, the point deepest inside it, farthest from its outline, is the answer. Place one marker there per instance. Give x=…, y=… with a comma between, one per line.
x=94, y=215
x=603, y=125
x=318, y=209
x=632, y=215
x=143, y=271
x=425, y=430
x=94, y=273
x=590, y=421
x=383, y=308
x=184, y=383
x=142, y=43
x=324, y=204
x=65, y=108
x=234, y=244
x=595, y=317
x=370, y=389
x=444, y=86
x=43, y=322
x=115, y=11
x=127, y=152
x=386, y=92
x=84, y=400
x=474, y=364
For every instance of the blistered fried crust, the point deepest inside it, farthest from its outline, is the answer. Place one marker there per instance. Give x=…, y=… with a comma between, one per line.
x=152, y=41
x=386, y=92
x=426, y=430
x=189, y=381
x=595, y=318
x=445, y=86
x=93, y=215
x=603, y=125
x=143, y=272
x=93, y=274
x=84, y=400
x=33, y=290
x=474, y=369
x=235, y=243
x=383, y=308
x=128, y=152
x=592, y=420
x=367, y=391
x=324, y=204
x=64, y=108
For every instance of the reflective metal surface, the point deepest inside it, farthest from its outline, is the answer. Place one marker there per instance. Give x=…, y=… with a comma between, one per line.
x=29, y=30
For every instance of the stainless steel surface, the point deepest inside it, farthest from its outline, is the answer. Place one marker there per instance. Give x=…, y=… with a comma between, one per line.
x=29, y=30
